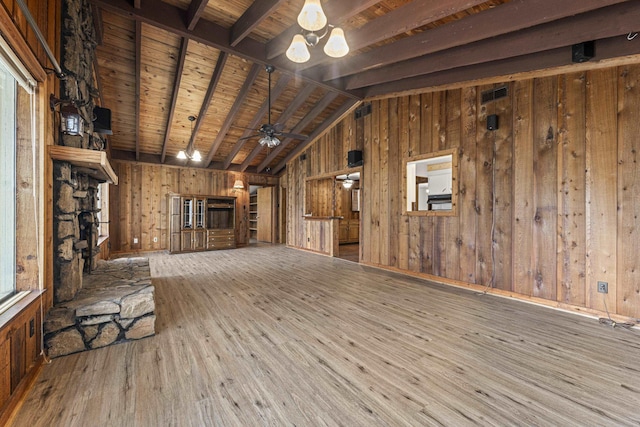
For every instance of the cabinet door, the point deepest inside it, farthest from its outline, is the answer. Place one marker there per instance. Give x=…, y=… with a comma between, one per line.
x=187, y=213
x=354, y=231
x=344, y=232
x=199, y=213
x=200, y=240
x=187, y=241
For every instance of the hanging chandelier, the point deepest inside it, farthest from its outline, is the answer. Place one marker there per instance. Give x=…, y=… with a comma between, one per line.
x=312, y=19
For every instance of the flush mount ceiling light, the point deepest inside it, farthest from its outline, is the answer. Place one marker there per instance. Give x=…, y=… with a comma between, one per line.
x=190, y=153
x=312, y=19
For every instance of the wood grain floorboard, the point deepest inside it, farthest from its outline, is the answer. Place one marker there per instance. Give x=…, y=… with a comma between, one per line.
x=271, y=336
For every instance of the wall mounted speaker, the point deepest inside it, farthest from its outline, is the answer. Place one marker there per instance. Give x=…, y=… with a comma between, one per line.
x=354, y=158
x=102, y=120
x=492, y=122
x=582, y=52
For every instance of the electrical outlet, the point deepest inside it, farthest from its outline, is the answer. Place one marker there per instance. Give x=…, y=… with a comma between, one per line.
x=603, y=287
x=135, y=240
x=155, y=240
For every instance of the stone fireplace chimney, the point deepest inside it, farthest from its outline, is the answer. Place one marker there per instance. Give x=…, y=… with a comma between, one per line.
x=75, y=191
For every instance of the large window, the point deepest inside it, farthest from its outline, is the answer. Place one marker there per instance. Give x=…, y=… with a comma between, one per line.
x=18, y=160
x=7, y=182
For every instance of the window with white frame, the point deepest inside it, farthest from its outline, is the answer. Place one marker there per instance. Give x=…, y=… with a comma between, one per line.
x=7, y=182
x=17, y=106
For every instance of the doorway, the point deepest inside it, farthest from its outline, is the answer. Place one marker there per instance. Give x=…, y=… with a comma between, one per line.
x=348, y=201
x=261, y=214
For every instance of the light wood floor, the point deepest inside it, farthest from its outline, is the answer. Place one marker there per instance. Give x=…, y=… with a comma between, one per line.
x=274, y=336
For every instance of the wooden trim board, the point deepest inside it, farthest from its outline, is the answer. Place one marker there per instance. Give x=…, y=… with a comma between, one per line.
x=92, y=159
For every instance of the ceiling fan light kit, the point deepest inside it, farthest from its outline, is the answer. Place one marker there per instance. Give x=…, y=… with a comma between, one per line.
x=269, y=141
x=312, y=19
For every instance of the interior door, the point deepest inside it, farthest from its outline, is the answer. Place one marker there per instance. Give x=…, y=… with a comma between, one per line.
x=265, y=214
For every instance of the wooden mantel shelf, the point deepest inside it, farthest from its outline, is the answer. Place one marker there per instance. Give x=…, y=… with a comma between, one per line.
x=82, y=157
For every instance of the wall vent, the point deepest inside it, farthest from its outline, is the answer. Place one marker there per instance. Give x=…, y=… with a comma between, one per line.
x=493, y=94
x=362, y=111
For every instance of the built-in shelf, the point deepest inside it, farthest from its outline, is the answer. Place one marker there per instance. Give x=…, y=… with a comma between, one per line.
x=94, y=160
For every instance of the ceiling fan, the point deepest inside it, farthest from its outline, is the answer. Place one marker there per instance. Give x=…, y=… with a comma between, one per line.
x=269, y=132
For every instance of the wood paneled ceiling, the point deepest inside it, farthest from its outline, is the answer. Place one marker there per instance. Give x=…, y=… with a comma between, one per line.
x=160, y=62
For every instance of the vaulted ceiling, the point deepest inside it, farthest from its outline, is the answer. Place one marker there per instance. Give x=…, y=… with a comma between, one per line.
x=160, y=62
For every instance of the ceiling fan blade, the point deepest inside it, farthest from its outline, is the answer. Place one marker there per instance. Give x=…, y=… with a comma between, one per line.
x=249, y=137
x=292, y=135
x=279, y=127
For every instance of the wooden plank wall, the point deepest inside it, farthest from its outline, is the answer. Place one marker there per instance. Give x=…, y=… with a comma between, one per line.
x=329, y=155
x=547, y=203
x=21, y=326
x=138, y=204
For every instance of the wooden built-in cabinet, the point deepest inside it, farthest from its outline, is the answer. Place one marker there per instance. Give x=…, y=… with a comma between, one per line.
x=349, y=231
x=199, y=223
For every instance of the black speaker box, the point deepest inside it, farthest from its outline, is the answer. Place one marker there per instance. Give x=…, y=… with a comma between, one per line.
x=354, y=158
x=102, y=120
x=582, y=52
x=492, y=122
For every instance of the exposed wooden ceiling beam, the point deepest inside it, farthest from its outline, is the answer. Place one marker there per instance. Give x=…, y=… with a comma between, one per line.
x=293, y=106
x=336, y=10
x=97, y=24
x=213, y=84
x=512, y=16
x=602, y=23
x=251, y=18
x=172, y=19
x=242, y=94
x=98, y=79
x=609, y=52
x=195, y=11
x=136, y=4
x=138, y=73
x=412, y=15
x=174, y=96
x=283, y=81
x=337, y=115
x=311, y=116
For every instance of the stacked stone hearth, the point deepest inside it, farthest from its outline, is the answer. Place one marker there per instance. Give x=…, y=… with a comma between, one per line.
x=116, y=304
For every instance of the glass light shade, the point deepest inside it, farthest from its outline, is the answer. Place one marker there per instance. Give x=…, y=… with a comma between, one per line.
x=71, y=123
x=347, y=183
x=238, y=185
x=298, y=51
x=181, y=155
x=336, y=46
x=196, y=157
x=312, y=16
x=269, y=141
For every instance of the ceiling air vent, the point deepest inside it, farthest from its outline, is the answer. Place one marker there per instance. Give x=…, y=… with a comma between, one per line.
x=493, y=94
